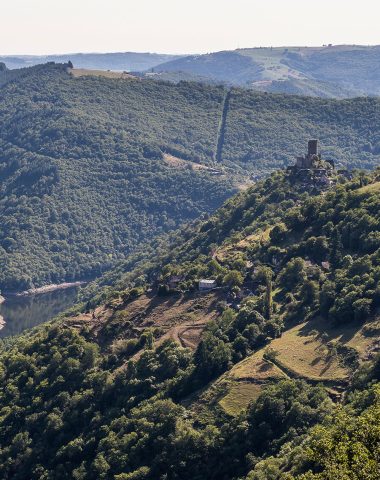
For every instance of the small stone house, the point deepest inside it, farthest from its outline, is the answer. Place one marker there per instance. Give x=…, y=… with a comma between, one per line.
x=174, y=281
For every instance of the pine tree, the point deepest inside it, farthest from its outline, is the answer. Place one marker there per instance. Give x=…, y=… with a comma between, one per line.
x=268, y=297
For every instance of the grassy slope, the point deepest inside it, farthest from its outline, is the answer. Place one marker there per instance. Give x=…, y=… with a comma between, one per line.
x=302, y=353
x=179, y=317
x=84, y=72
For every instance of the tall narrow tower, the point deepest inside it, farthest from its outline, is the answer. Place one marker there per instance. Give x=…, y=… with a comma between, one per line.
x=312, y=147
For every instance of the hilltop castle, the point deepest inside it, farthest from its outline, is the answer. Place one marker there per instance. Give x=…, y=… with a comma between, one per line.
x=312, y=170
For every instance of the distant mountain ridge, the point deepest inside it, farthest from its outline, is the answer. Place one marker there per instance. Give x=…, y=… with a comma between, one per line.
x=329, y=71
x=103, y=61
x=339, y=71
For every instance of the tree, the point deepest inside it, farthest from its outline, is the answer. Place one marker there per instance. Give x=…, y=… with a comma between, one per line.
x=336, y=248
x=310, y=293
x=140, y=474
x=345, y=447
x=283, y=411
x=149, y=340
x=327, y=296
x=233, y=279
x=362, y=309
x=268, y=297
x=278, y=233
x=211, y=357
x=265, y=274
x=293, y=273
x=271, y=354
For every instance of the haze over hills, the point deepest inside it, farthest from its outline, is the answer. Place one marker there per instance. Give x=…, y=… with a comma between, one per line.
x=92, y=166
x=331, y=71
x=119, y=61
x=337, y=71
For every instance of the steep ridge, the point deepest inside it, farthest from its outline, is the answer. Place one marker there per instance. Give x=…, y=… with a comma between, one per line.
x=267, y=227
x=109, y=391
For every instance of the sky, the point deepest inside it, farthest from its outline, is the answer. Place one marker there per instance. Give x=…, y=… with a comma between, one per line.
x=179, y=26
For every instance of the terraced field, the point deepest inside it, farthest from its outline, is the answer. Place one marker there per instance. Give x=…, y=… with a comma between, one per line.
x=303, y=354
x=305, y=351
x=179, y=317
x=239, y=396
x=244, y=382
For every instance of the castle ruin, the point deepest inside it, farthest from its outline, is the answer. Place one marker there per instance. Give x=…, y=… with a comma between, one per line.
x=312, y=170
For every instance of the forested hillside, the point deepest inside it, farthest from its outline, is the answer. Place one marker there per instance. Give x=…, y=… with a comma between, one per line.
x=91, y=167
x=273, y=375
x=270, y=130
x=83, y=180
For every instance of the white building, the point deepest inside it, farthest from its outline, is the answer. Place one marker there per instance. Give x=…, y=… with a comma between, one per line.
x=206, y=284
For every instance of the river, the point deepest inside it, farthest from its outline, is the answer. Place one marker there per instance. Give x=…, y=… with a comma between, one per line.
x=23, y=312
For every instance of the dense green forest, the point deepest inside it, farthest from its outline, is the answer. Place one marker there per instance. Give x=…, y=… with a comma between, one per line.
x=99, y=394
x=82, y=175
x=271, y=129
x=87, y=169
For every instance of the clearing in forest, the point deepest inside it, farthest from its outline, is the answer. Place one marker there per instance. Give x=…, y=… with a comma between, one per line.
x=83, y=72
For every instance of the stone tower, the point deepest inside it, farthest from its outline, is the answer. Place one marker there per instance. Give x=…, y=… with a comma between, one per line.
x=312, y=147
x=312, y=153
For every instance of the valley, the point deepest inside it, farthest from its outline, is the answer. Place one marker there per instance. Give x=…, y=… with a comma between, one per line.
x=189, y=240
x=231, y=328
x=22, y=313
x=87, y=162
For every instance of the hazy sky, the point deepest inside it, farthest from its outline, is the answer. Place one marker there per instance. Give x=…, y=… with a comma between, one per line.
x=178, y=26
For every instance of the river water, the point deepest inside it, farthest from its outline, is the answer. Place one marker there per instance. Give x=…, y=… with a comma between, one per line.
x=21, y=313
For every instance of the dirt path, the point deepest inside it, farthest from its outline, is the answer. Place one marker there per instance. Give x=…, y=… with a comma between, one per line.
x=188, y=335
